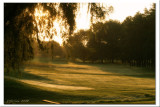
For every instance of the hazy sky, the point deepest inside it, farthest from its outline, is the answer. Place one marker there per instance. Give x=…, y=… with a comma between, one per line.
x=122, y=9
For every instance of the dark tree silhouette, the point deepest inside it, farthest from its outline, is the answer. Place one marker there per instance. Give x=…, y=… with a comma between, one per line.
x=19, y=27
x=139, y=39
x=131, y=42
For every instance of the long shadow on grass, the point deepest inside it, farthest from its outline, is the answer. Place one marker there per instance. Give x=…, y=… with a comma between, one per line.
x=26, y=75
x=129, y=71
x=123, y=70
x=17, y=91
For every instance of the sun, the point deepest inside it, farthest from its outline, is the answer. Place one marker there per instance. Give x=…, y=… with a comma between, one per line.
x=49, y=28
x=83, y=17
x=55, y=28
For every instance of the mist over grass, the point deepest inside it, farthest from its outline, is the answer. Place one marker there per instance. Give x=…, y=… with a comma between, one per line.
x=80, y=83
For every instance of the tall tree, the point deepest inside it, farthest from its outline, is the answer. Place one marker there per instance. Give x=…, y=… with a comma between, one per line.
x=19, y=25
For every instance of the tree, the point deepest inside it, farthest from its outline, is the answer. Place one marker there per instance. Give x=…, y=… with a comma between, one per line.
x=106, y=39
x=139, y=39
x=20, y=25
x=76, y=46
x=112, y=39
x=18, y=42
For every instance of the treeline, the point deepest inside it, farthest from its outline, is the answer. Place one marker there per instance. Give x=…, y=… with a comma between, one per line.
x=21, y=28
x=131, y=42
x=51, y=49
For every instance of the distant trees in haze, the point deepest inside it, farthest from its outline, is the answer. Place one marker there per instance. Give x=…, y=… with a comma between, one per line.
x=132, y=41
x=75, y=46
x=20, y=26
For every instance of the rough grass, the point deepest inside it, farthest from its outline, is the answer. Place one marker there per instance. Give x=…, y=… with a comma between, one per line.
x=70, y=83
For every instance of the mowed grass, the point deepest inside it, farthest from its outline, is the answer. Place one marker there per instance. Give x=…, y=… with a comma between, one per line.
x=78, y=83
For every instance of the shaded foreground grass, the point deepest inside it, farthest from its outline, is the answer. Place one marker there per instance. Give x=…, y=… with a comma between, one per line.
x=70, y=83
x=16, y=92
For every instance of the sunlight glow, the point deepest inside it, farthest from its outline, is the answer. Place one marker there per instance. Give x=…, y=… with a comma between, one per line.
x=55, y=28
x=82, y=17
x=58, y=28
x=124, y=8
x=50, y=28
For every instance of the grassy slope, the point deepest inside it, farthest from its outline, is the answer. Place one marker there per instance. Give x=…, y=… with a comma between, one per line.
x=111, y=83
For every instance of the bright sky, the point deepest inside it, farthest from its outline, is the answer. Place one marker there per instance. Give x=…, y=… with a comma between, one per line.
x=122, y=9
x=82, y=18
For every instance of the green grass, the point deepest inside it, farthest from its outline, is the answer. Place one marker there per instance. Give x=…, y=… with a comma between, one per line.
x=17, y=91
x=73, y=83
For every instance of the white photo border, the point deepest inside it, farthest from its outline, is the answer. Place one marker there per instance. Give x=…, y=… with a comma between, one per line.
x=113, y=105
